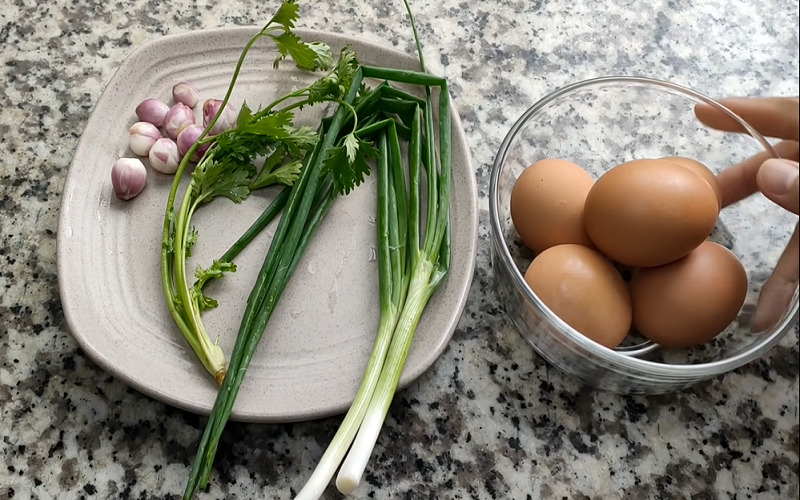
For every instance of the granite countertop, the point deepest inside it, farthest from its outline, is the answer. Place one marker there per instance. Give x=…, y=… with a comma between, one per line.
x=490, y=419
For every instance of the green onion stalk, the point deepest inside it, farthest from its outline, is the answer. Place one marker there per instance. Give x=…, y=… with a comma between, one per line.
x=310, y=199
x=411, y=266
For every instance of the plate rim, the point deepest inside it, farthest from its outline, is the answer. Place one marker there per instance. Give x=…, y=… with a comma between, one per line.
x=167, y=397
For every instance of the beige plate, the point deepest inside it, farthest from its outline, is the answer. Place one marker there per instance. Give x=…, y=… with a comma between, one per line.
x=311, y=358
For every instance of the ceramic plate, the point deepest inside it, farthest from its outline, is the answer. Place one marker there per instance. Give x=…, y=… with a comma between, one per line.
x=311, y=358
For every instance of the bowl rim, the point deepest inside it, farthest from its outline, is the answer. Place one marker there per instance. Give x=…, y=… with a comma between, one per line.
x=669, y=371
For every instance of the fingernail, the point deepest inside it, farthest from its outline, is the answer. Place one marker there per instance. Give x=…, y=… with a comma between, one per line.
x=778, y=176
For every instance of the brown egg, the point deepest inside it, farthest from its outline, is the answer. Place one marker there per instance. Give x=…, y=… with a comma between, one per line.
x=649, y=212
x=583, y=289
x=690, y=301
x=699, y=168
x=547, y=204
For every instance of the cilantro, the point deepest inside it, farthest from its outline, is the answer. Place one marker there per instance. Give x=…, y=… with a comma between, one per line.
x=217, y=269
x=348, y=162
x=277, y=170
x=219, y=178
x=305, y=56
x=286, y=15
x=191, y=239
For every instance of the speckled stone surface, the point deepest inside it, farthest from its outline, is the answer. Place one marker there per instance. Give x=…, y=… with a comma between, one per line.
x=490, y=419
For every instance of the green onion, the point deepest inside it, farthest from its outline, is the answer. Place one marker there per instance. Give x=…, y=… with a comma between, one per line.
x=318, y=170
x=297, y=224
x=427, y=268
x=410, y=269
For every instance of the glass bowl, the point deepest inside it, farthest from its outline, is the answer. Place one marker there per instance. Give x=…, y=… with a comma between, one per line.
x=600, y=123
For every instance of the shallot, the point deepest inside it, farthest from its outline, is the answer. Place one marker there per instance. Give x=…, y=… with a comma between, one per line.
x=186, y=139
x=227, y=118
x=178, y=117
x=142, y=137
x=164, y=156
x=128, y=177
x=185, y=93
x=152, y=111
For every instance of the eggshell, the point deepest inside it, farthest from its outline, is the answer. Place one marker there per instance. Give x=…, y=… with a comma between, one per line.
x=690, y=301
x=700, y=169
x=649, y=212
x=583, y=289
x=547, y=204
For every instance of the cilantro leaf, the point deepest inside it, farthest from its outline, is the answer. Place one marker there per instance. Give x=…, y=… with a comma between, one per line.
x=301, y=140
x=289, y=44
x=346, y=68
x=334, y=85
x=287, y=14
x=351, y=147
x=284, y=174
x=324, y=56
x=245, y=114
x=259, y=137
x=275, y=124
x=283, y=165
x=365, y=93
x=168, y=244
x=214, y=178
x=217, y=269
x=270, y=163
x=190, y=241
x=348, y=163
x=272, y=135
x=323, y=89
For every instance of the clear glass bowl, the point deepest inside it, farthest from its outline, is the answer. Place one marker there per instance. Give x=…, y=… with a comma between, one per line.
x=600, y=123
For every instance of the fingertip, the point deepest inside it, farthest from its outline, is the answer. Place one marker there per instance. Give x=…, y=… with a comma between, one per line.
x=777, y=178
x=773, y=302
x=715, y=117
x=766, y=316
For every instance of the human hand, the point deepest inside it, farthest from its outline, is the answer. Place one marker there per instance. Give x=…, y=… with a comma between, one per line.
x=777, y=179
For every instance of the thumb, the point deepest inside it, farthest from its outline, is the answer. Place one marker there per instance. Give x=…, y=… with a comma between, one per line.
x=778, y=180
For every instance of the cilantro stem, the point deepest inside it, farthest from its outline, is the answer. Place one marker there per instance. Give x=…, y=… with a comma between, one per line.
x=174, y=249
